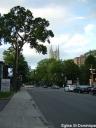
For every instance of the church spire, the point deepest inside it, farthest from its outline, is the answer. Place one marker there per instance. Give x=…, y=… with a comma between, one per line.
x=54, y=54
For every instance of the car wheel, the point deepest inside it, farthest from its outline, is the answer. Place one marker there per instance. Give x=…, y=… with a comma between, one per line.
x=91, y=93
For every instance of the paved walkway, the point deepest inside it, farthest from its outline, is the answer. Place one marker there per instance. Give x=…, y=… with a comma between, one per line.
x=22, y=112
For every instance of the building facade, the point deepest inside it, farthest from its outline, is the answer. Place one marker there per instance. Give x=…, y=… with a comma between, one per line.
x=80, y=60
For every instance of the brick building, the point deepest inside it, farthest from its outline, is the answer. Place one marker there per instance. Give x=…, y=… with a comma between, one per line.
x=80, y=60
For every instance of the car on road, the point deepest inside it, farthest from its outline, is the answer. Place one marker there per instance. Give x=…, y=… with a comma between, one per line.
x=55, y=87
x=93, y=91
x=69, y=88
x=29, y=86
x=89, y=89
x=82, y=89
x=45, y=86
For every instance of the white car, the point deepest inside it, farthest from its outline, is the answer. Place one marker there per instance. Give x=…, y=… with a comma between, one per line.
x=69, y=88
x=29, y=86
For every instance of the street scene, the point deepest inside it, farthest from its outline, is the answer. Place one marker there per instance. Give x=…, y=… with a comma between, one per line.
x=61, y=107
x=48, y=64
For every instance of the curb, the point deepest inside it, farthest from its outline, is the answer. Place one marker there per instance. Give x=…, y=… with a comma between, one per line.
x=41, y=117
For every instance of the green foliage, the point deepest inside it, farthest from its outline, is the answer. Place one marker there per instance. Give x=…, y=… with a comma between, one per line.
x=54, y=71
x=71, y=70
x=84, y=74
x=19, y=27
x=90, y=61
x=91, y=52
x=9, y=58
x=51, y=71
x=4, y=95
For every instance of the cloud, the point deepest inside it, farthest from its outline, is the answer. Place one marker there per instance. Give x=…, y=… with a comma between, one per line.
x=48, y=12
x=31, y=56
x=90, y=31
x=89, y=28
x=71, y=45
x=83, y=1
x=68, y=18
x=52, y=13
x=79, y=18
x=77, y=40
x=5, y=6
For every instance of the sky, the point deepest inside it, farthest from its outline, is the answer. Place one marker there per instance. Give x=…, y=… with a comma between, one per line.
x=73, y=23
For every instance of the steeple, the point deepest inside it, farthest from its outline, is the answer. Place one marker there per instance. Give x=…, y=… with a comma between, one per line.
x=51, y=52
x=54, y=53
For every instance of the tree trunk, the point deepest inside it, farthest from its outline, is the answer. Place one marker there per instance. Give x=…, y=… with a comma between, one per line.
x=15, y=70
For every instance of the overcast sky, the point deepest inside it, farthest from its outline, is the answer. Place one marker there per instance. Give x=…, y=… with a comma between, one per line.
x=73, y=23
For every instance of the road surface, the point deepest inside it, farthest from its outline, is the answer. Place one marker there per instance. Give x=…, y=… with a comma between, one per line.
x=61, y=107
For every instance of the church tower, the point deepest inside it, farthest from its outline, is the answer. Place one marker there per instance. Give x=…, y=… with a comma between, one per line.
x=54, y=53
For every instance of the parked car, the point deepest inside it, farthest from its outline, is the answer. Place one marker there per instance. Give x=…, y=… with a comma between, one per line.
x=55, y=87
x=45, y=86
x=88, y=90
x=93, y=91
x=82, y=89
x=69, y=88
x=29, y=86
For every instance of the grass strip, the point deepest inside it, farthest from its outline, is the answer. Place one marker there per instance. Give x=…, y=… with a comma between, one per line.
x=4, y=95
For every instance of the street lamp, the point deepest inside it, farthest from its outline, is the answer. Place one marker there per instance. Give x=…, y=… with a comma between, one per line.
x=77, y=81
x=62, y=78
x=65, y=80
x=92, y=77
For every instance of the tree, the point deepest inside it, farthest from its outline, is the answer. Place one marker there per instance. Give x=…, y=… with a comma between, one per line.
x=49, y=71
x=19, y=27
x=71, y=70
x=84, y=74
x=91, y=52
x=90, y=61
x=9, y=58
x=42, y=71
x=56, y=71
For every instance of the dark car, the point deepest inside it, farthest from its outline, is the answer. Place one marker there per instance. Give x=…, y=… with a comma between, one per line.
x=88, y=90
x=93, y=91
x=82, y=89
x=45, y=86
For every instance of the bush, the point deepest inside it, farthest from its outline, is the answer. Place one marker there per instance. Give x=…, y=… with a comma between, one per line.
x=5, y=94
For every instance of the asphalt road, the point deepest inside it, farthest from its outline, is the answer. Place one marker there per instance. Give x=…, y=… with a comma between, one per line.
x=3, y=103
x=61, y=107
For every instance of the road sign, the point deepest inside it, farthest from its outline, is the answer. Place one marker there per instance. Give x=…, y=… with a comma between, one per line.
x=5, y=85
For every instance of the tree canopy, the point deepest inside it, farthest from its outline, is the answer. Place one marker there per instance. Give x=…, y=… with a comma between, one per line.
x=90, y=61
x=19, y=27
x=23, y=68
x=54, y=71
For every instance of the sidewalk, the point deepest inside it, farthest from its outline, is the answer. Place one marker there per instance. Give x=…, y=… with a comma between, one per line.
x=21, y=112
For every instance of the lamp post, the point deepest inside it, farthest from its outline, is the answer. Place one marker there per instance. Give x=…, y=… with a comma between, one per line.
x=65, y=80
x=55, y=78
x=77, y=81
x=62, y=79
x=92, y=75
